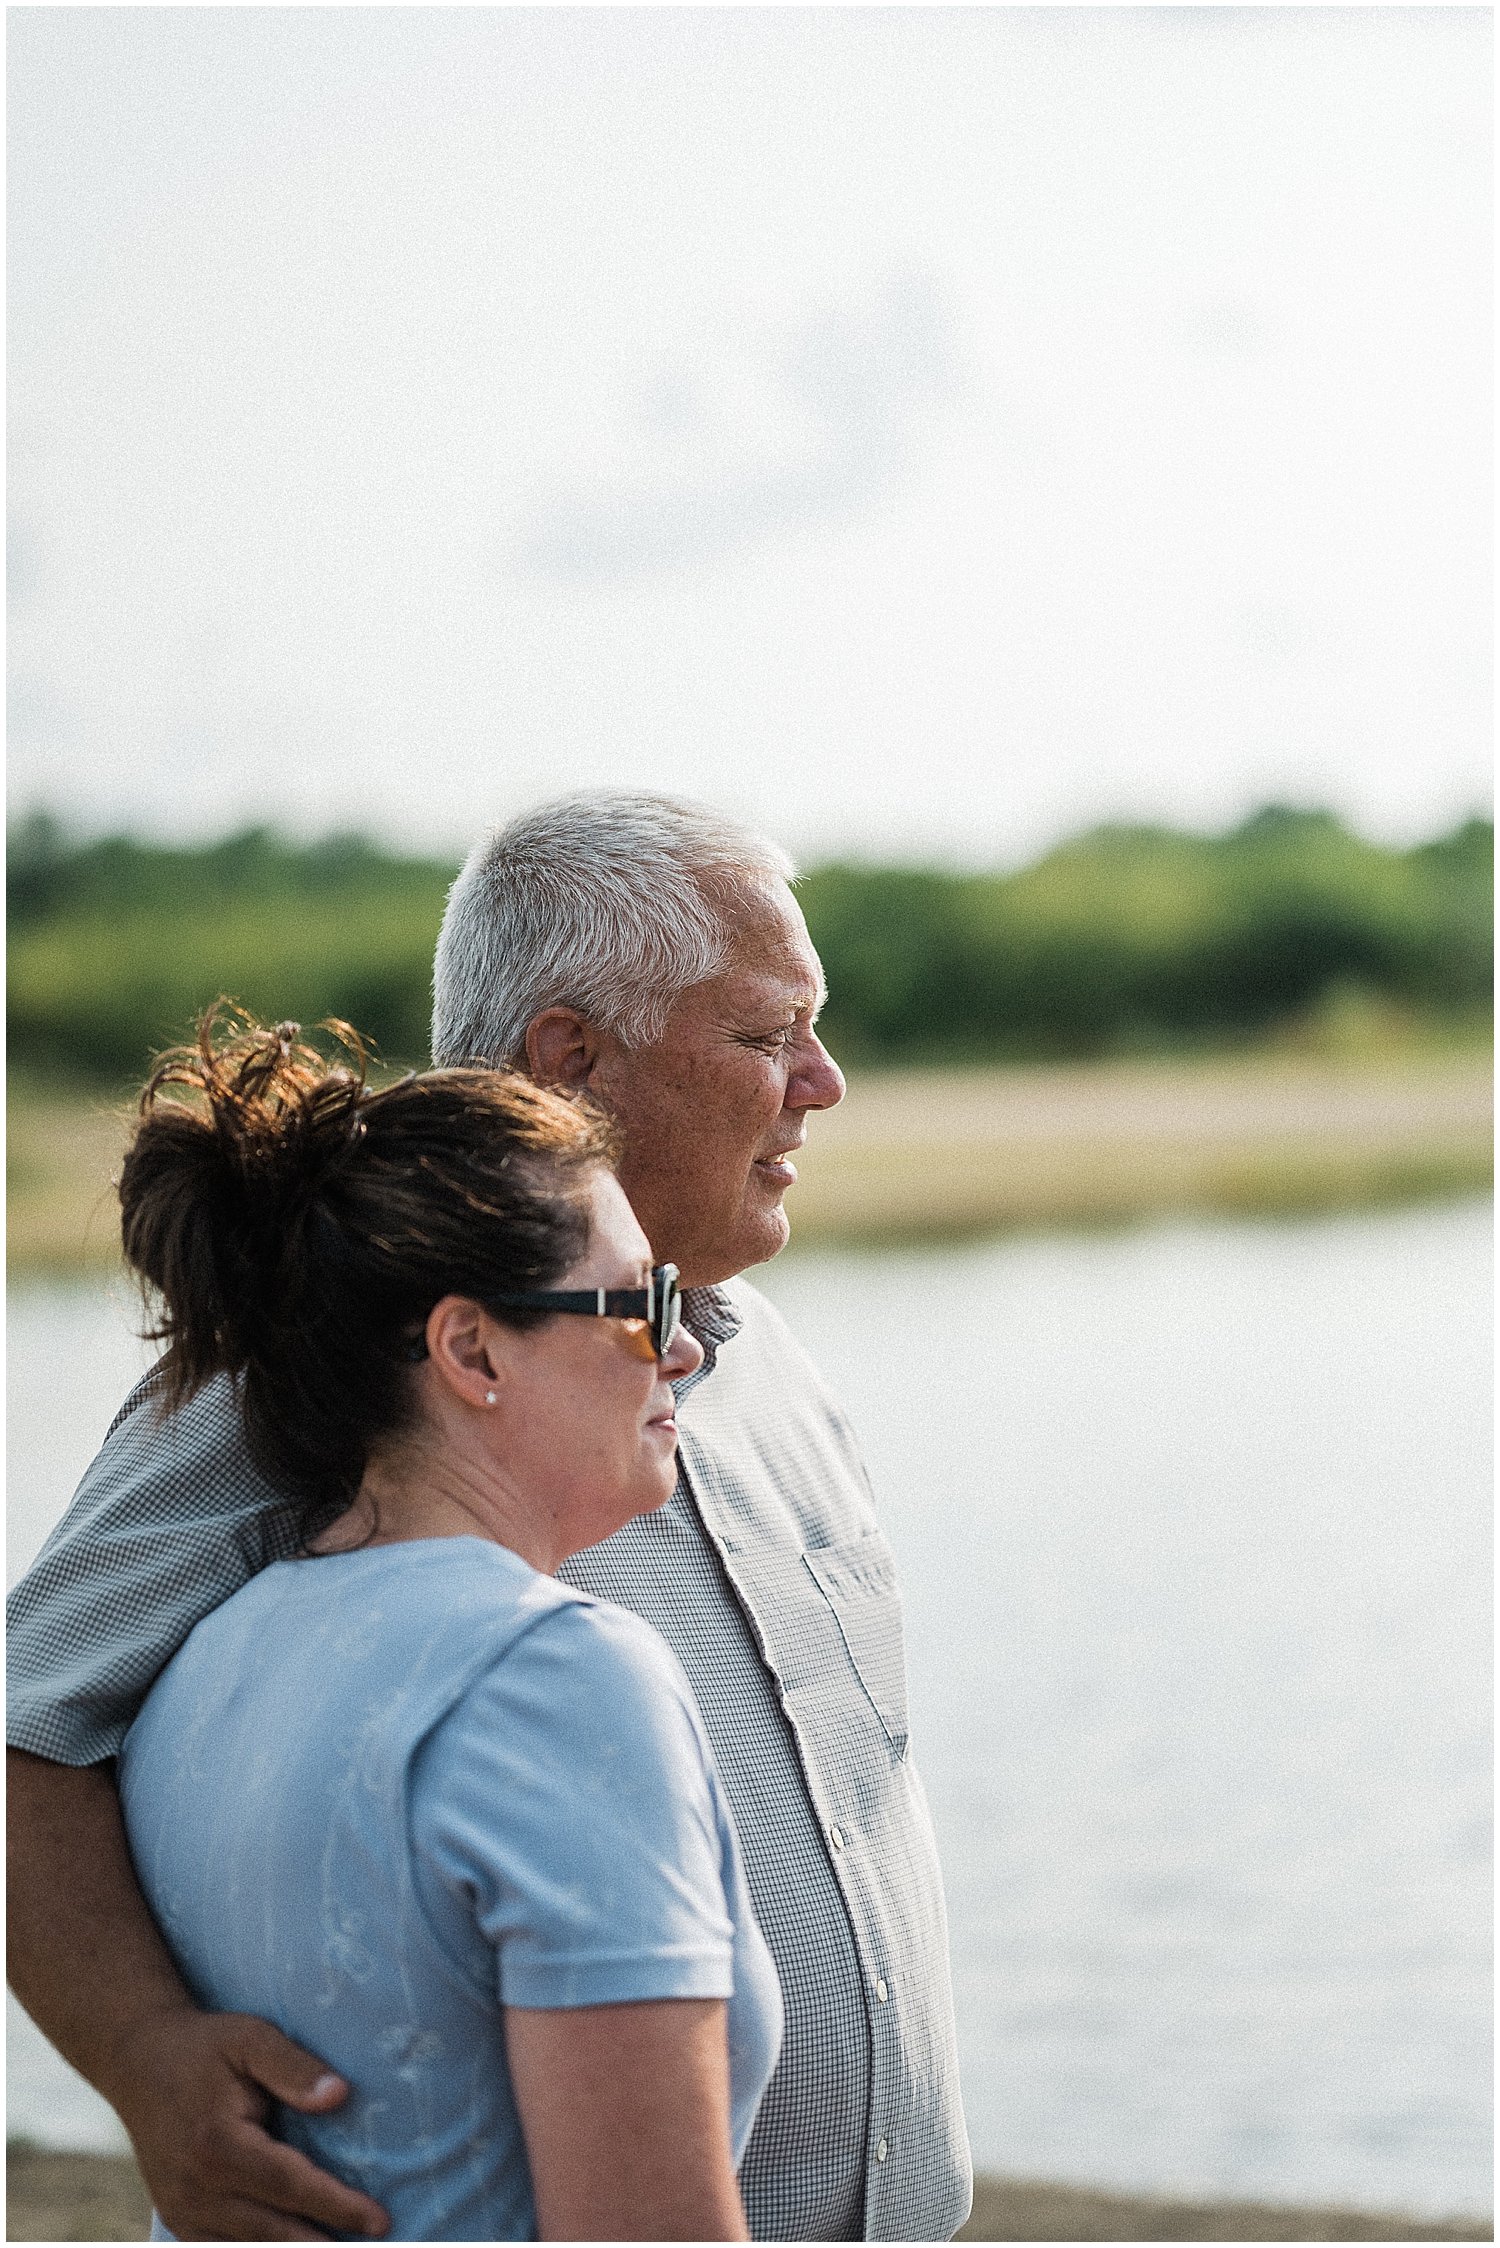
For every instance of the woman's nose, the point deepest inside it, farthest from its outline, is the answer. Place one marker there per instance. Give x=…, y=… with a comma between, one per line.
x=684, y=1356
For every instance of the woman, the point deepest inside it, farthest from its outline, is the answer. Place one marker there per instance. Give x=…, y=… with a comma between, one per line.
x=448, y=1823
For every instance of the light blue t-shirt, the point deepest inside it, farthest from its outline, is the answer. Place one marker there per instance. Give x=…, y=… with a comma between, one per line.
x=377, y=1796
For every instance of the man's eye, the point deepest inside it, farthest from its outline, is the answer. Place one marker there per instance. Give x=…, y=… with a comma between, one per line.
x=775, y=1040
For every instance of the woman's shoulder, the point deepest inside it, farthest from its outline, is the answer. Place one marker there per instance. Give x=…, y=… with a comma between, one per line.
x=591, y=1683
x=469, y=1578
x=567, y=1808
x=591, y=1652
x=338, y=1628
x=456, y=1637
x=487, y=1594
x=576, y=1766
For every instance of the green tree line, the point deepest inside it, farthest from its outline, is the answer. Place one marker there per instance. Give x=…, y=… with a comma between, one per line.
x=1141, y=938
x=1124, y=939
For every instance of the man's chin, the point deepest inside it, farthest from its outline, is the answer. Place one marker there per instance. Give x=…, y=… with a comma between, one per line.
x=765, y=1235
x=776, y=1232
x=762, y=1235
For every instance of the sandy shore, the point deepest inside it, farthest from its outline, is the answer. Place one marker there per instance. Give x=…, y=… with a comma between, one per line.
x=100, y=2197
x=934, y=1153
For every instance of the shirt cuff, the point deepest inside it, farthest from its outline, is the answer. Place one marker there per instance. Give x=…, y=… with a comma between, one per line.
x=615, y=1979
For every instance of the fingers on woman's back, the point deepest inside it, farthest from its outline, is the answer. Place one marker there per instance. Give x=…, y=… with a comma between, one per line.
x=210, y=2162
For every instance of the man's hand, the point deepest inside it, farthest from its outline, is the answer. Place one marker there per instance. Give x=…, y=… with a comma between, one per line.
x=192, y=2089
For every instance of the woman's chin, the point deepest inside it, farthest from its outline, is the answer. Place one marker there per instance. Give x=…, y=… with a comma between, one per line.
x=659, y=1482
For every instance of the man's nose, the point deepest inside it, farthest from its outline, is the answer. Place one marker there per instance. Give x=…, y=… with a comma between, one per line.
x=819, y=1082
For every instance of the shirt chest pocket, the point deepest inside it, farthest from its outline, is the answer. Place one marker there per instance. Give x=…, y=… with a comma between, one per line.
x=857, y=1580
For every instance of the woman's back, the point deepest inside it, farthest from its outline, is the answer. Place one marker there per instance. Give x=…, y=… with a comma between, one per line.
x=379, y=1795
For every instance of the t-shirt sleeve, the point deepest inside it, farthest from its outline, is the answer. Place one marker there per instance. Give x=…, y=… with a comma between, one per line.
x=569, y=1804
x=171, y=1518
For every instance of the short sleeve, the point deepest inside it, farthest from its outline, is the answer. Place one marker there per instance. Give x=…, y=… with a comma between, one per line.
x=171, y=1518
x=568, y=1810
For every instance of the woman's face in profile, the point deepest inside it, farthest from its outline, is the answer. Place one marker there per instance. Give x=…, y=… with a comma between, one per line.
x=586, y=1428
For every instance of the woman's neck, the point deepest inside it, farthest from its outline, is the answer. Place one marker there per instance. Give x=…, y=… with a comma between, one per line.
x=434, y=1491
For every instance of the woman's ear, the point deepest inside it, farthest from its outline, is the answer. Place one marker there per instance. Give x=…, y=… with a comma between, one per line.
x=461, y=1350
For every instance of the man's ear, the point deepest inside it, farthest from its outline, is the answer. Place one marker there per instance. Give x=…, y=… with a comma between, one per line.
x=562, y=1048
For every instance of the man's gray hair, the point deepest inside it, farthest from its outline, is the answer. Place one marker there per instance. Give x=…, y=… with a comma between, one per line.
x=612, y=901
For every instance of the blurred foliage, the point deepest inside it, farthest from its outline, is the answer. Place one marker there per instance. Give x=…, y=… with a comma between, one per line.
x=1127, y=939
x=115, y=946
x=1132, y=939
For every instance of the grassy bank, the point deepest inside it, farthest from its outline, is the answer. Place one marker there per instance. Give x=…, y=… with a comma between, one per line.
x=947, y=1153
x=932, y=1154
x=62, y=1151
x=100, y=2197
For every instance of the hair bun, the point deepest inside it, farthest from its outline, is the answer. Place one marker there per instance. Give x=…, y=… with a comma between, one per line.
x=216, y=1185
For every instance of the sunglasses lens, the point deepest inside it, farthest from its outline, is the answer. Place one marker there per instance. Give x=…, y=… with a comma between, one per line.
x=668, y=1306
x=639, y=1338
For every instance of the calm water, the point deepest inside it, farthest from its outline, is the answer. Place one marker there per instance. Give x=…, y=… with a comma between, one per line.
x=1194, y=1531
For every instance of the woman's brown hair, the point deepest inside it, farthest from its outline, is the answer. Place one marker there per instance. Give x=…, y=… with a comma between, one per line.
x=297, y=1228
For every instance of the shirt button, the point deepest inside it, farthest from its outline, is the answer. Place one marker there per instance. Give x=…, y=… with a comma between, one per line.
x=881, y=2151
x=880, y=1990
x=836, y=1837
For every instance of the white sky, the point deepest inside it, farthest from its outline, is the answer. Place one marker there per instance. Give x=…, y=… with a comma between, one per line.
x=926, y=432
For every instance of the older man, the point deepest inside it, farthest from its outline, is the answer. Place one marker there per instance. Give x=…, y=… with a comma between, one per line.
x=650, y=952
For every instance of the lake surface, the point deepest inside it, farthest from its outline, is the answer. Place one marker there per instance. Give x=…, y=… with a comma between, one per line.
x=1193, y=1526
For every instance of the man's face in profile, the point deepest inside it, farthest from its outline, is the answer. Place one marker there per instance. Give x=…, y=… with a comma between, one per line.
x=713, y=1108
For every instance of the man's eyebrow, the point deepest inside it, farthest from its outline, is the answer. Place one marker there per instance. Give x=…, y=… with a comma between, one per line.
x=796, y=1002
x=801, y=1005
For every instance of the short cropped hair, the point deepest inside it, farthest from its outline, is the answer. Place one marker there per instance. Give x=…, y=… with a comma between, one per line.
x=611, y=901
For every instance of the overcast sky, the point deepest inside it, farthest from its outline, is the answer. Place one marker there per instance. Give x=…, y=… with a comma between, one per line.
x=926, y=432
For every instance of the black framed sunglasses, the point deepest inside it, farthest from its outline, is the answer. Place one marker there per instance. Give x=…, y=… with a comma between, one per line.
x=651, y=1315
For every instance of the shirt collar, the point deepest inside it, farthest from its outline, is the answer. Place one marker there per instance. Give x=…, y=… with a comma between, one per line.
x=710, y=1317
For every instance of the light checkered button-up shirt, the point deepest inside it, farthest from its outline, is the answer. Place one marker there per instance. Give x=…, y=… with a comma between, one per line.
x=769, y=1577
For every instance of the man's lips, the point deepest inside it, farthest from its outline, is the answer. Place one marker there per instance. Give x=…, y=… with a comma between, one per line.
x=777, y=1167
